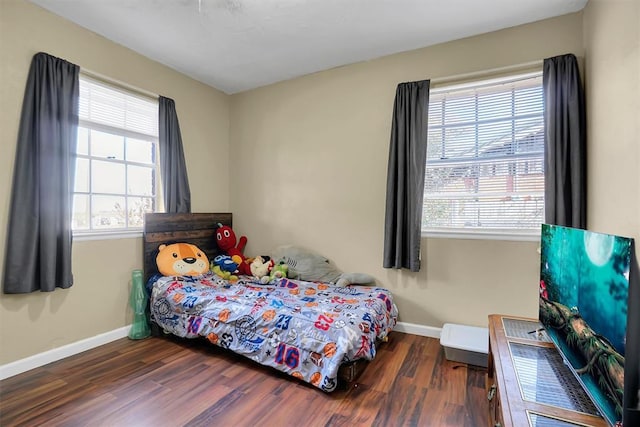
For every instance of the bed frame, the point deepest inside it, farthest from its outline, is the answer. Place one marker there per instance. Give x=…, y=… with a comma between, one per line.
x=200, y=229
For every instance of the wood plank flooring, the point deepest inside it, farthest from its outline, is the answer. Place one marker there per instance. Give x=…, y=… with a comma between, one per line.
x=170, y=382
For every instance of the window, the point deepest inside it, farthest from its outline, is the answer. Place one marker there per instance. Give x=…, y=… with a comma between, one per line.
x=485, y=164
x=116, y=180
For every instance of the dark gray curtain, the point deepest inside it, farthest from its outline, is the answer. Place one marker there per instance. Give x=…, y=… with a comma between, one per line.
x=175, y=183
x=38, y=247
x=565, y=143
x=405, y=176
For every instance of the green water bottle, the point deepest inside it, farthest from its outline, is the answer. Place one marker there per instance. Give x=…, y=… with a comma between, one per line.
x=138, y=302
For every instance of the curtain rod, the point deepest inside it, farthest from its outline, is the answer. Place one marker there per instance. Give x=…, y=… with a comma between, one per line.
x=475, y=74
x=115, y=82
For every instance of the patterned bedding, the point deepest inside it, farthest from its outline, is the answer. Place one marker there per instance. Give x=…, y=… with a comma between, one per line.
x=305, y=329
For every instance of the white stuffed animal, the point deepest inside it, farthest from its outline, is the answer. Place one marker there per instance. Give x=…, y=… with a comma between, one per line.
x=261, y=268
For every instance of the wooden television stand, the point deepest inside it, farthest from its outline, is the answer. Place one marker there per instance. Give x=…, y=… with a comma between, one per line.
x=528, y=383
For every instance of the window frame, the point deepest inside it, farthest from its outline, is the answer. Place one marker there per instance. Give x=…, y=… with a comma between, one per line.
x=506, y=234
x=126, y=231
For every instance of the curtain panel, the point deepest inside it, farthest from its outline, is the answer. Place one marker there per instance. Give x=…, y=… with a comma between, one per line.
x=39, y=236
x=565, y=143
x=405, y=176
x=175, y=182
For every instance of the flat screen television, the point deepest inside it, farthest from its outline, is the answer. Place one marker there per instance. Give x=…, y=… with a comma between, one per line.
x=590, y=309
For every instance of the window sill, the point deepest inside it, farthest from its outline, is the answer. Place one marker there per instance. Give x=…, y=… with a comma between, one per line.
x=483, y=235
x=82, y=236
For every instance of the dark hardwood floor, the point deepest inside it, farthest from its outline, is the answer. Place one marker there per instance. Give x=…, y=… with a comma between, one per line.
x=168, y=382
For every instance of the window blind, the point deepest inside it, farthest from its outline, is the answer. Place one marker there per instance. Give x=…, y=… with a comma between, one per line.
x=485, y=157
x=110, y=106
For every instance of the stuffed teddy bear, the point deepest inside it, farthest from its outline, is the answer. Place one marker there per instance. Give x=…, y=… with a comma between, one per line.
x=261, y=267
x=307, y=265
x=181, y=259
x=226, y=239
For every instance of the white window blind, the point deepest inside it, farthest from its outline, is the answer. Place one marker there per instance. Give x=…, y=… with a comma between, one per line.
x=111, y=106
x=485, y=157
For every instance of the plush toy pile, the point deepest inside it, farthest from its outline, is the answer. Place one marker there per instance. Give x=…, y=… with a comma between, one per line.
x=183, y=259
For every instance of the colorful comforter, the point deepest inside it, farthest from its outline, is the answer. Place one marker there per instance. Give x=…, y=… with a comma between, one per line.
x=305, y=329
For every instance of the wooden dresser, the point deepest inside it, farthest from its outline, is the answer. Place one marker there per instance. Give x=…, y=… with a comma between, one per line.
x=528, y=383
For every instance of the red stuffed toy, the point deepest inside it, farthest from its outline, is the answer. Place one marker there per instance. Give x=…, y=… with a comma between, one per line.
x=226, y=239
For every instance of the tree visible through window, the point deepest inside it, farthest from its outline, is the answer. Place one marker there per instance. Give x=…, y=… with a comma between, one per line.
x=116, y=180
x=485, y=164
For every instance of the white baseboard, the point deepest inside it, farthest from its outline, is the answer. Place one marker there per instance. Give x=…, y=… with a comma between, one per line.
x=412, y=328
x=41, y=359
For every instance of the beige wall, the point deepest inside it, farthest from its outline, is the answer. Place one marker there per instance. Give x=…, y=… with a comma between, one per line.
x=612, y=77
x=98, y=302
x=314, y=159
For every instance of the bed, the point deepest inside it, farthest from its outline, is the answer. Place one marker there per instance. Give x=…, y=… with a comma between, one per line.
x=314, y=331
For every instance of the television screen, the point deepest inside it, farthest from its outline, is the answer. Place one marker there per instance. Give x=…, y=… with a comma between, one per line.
x=584, y=289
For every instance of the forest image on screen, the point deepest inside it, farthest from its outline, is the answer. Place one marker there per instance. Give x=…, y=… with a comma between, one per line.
x=584, y=287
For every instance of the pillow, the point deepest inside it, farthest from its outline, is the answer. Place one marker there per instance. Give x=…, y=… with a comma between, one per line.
x=181, y=259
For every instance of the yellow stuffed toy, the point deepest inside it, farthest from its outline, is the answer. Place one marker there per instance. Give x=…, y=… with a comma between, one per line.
x=181, y=259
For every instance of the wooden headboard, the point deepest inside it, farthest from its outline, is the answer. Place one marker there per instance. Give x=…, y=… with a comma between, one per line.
x=196, y=228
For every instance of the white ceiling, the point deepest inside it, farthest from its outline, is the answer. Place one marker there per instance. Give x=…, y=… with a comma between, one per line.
x=236, y=45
